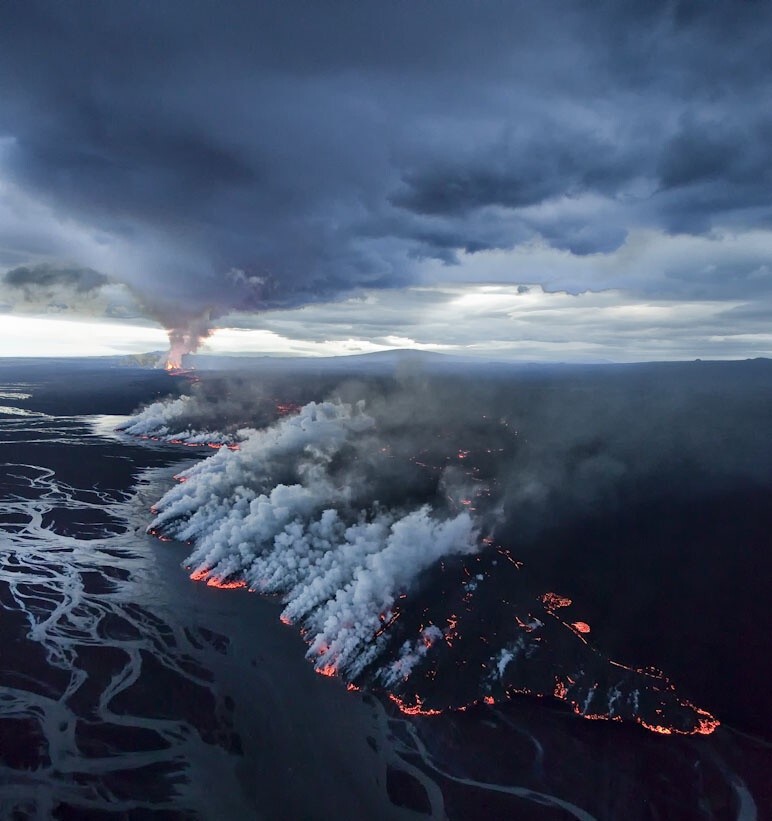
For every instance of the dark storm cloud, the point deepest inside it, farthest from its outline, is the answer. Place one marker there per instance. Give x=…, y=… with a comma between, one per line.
x=516, y=171
x=44, y=288
x=35, y=278
x=251, y=156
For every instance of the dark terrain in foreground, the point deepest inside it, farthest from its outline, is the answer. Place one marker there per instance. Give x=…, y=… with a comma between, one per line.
x=100, y=625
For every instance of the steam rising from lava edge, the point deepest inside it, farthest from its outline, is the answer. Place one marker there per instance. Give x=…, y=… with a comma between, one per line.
x=293, y=510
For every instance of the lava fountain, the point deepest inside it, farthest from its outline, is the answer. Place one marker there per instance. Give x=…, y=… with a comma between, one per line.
x=186, y=338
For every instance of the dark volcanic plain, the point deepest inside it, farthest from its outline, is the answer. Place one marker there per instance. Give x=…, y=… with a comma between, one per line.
x=641, y=493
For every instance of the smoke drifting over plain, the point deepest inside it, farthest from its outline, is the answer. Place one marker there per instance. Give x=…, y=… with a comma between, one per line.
x=391, y=525
x=545, y=444
x=173, y=421
x=282, y=515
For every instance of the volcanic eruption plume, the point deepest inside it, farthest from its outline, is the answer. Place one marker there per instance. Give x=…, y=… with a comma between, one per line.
x=185, y=338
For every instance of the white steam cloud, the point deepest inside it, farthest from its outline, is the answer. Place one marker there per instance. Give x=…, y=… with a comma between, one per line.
x=340, y=567
x=169, y=421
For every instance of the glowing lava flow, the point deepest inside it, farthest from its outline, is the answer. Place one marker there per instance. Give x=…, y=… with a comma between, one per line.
x=175, y=368
x=211, y=581
x=212, y=445
x=706, y=724
x=173, y=362
x=581, y=626
x=186, y=338
x=552, y=601
x=416, y=709
x=533, y=652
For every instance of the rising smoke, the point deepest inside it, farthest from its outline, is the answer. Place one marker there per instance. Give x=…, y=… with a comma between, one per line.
x=389, y=525
x=62, y=289
x=285, y=516
x=531, y=450
x=170, y=421
x=186, y=338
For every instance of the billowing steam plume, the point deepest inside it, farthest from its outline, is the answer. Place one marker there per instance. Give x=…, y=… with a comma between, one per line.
x=185, y=337
x=169, y=421
x=388, y=533
x=281, y=516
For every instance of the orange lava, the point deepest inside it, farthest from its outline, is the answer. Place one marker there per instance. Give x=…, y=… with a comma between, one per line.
x=211, y=581
x=416, y=709
x=214, y=445
x=508, y=557
x=177, y=370
x=449, y=633
x=232, y=584
x=286, y=408
x=386, y=624
x=706, y=723
x=655, y=728
x=581, y=626
x=552, y=601
x=528, y=627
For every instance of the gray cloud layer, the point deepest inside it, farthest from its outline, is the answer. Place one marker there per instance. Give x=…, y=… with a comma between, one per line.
x=49, y=289
x=263, y=155
x=31, y=279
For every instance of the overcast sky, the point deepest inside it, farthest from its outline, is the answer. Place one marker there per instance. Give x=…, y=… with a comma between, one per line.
x=552, y=181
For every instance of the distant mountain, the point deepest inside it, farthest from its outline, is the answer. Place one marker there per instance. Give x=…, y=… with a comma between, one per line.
x=378, y=360
x=151, y=359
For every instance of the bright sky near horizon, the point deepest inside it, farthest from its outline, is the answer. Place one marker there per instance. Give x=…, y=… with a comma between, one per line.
x=512, y=323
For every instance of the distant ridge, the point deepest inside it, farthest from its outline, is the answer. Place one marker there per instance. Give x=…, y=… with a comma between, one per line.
x=409, y=358
x=404, y=360
x=381, y=362
x=378, y=362
x=376, y=359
